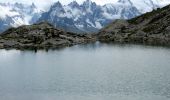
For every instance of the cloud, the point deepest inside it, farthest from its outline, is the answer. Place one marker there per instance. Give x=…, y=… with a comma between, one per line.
x=39, y=3
x=47, y=3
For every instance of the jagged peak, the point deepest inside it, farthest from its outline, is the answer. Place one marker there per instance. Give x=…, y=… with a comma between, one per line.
x=57, y=4
x=87, y=2
x=20, y=5
x=73, y=4
x=57, y=7
x=33, y=5
x=129, y=2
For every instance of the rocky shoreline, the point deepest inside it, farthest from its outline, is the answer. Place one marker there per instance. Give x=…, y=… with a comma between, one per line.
x=44, y=36
x=40, y=36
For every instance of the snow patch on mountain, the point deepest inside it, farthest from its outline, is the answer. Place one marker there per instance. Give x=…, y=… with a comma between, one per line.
x=88, y=16
x=17, y=14
x=5, y=11
x=84, y=17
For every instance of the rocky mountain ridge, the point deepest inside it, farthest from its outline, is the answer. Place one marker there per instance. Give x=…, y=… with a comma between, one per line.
x=151, y=28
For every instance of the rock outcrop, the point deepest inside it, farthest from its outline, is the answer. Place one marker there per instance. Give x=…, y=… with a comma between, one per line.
x=40, y=36
x=152, y=28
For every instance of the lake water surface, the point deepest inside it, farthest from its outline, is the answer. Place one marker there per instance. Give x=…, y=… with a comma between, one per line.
x=86, y=72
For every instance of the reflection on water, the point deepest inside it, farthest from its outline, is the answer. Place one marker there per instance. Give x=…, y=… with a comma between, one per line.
x=86, y=72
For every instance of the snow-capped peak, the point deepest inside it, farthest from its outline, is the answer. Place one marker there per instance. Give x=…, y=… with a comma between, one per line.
x=57, y=5
x=127, y=2
x=87, y=3
x=73, y=4
x=33, y=5
x=17, y=14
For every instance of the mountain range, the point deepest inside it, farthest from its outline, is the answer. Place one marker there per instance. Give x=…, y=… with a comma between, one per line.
x=14, y=15
x=151, y=28
x=82, y=18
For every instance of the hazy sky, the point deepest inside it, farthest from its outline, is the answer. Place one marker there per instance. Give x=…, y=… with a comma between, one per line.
x=45, y=3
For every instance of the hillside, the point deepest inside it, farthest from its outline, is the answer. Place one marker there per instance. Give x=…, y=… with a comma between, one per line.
x=150, y=28
x=39, y=36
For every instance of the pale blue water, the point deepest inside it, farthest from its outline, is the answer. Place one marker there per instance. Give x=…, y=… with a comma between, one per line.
x=86, y=72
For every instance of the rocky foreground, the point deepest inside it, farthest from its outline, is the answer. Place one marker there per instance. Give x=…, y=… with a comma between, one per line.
x=152, y=28
x=40, y=36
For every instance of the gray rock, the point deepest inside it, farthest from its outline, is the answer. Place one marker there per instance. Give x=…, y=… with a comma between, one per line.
x=151, y=28
x=39, y=36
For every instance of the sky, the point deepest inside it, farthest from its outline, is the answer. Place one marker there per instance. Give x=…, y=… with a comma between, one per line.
x=46, y=3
